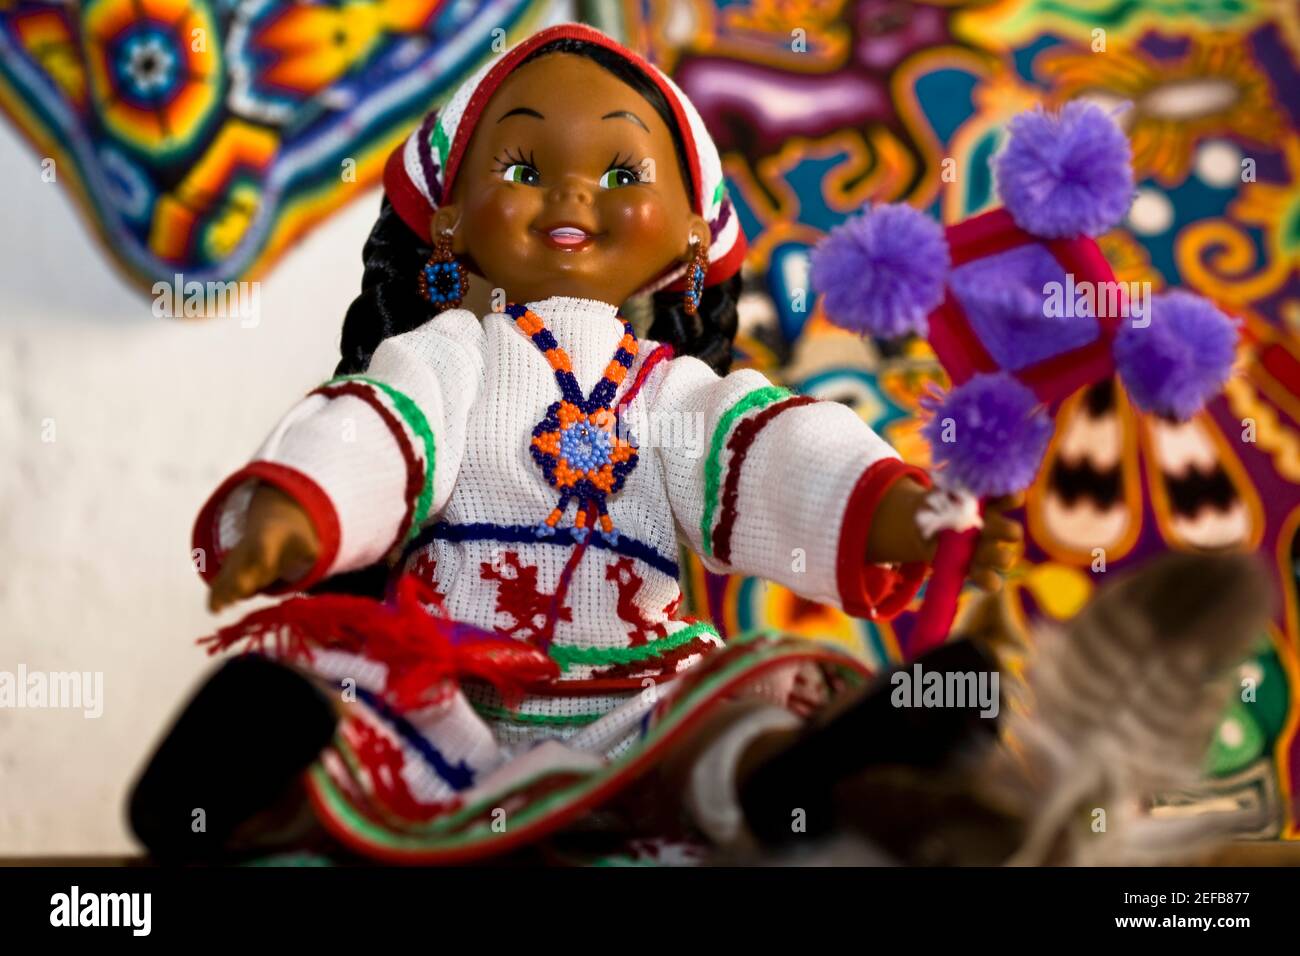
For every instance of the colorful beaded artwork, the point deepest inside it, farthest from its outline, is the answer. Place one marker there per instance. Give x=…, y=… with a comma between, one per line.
x=203, y=138
x=578, y=445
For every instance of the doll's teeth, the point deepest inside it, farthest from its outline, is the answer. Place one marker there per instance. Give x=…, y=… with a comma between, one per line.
x=567, y=234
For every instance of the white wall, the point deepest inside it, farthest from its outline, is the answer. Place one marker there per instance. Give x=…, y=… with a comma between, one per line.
x=148, y=415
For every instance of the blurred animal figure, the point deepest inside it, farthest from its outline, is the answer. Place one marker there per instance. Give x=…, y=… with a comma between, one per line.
x=1118, y=705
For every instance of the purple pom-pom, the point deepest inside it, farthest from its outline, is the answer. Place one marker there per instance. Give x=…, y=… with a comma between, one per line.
x=883, y=272
x=1067, y=174
x=1180, y=360
x=988, y=435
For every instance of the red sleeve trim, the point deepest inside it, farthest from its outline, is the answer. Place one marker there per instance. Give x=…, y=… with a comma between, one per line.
x=292, y=482
x=872, y=590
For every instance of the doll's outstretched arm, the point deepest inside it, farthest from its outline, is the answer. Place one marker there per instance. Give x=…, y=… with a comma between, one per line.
x=354, y=470
x=787, y=488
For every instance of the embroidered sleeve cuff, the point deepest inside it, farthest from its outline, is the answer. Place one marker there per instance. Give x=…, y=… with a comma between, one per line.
x=874, y=591
x=221, y=520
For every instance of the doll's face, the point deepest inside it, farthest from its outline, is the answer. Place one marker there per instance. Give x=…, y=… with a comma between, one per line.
x=570, y=186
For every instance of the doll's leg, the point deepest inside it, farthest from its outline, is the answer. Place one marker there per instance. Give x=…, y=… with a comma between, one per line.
x=237, y=751
x=758, y=774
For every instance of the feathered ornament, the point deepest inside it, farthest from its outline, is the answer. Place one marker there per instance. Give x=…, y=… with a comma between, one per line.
x=1120, y=704
x=1116, y=709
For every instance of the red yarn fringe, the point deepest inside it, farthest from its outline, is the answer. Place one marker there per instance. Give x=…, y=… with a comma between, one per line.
x=426, y=653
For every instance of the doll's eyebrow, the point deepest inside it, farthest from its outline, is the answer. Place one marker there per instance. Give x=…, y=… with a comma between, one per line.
x=625, y=114
x=522, y=111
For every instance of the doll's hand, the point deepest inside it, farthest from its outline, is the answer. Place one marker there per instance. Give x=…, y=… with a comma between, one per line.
x=895, y=537
x=996, y=550
x=279, y=543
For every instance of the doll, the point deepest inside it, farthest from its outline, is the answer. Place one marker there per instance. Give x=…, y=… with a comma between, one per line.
x=529, y=664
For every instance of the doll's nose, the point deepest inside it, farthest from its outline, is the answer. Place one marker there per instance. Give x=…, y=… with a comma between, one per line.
x=571, y=189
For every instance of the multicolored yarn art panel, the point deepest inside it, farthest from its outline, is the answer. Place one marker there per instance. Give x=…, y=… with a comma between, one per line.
x=820, y=107
x=202, y=137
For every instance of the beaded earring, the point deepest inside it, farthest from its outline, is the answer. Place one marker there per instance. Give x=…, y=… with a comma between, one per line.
x=443, y=279
x=695, y=275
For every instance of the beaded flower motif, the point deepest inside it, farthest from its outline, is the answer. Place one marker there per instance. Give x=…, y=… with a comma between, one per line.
x=577, y=444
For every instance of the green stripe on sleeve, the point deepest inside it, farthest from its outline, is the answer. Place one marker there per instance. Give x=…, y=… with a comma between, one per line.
x=758, y=398
x=419, y=426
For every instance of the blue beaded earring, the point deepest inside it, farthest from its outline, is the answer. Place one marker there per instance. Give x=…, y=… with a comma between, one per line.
x=443, y=279
x=695, y=276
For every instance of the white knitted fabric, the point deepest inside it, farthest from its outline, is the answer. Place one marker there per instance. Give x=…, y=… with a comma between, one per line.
x=482, y=386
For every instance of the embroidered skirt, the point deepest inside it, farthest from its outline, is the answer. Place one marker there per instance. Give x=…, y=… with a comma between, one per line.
x=470, y=777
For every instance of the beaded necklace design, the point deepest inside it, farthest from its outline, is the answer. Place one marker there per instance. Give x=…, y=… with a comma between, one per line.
x=576, y=444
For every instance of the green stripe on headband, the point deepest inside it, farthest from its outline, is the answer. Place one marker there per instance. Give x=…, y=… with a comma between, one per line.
x=438, y=140
x=719, y=193
x=758, y=398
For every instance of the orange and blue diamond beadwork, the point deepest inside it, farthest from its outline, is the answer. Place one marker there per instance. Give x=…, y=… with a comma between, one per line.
x=577, y=444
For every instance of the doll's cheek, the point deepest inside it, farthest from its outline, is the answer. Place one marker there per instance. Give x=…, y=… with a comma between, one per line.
x=640, y=219
x=501, y=219
x=508, y=208
x=643, y=208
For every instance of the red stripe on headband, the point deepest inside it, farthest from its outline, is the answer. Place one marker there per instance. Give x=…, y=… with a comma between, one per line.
x=411, y=206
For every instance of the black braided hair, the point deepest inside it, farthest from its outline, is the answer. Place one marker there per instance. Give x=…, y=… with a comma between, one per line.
x=709, y=333
x=390, y=302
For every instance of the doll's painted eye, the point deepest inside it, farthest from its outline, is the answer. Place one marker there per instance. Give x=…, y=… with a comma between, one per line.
x=620, y=176
x=522, y=173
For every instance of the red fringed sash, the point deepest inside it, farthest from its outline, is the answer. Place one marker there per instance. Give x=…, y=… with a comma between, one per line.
x=426, y=653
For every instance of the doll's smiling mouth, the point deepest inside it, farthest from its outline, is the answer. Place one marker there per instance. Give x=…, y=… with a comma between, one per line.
x=567, y=237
